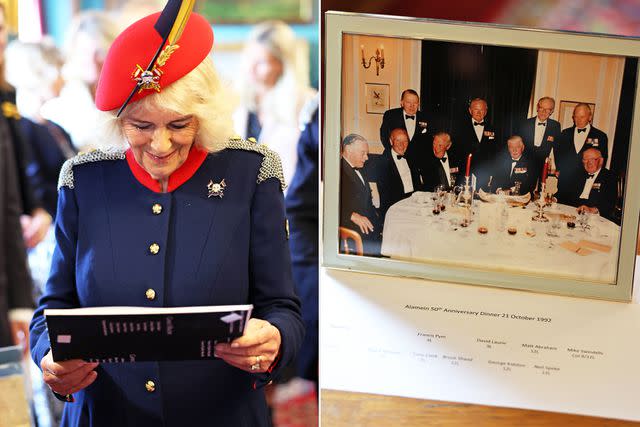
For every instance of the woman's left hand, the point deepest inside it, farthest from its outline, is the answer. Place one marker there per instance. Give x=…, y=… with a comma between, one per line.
x=255, y=351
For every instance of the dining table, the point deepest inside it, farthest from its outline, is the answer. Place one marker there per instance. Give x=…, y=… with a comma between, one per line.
x=500, y=233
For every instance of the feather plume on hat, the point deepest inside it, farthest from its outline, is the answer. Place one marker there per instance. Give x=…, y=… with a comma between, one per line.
x=170, y=25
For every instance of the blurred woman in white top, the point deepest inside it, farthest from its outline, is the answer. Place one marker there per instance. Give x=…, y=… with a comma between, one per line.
x=273, y=88
x=87, y=41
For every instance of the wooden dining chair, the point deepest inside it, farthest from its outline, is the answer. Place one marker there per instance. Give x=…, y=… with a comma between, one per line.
x=347, y=234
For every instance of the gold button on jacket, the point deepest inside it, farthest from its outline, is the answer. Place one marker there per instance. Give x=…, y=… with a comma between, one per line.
x=156, y=209
x=150, y=294
x=150, y=386
x=154, y=248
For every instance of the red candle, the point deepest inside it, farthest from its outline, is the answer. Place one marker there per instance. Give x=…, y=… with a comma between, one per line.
x=545, y=170
x=468, y=164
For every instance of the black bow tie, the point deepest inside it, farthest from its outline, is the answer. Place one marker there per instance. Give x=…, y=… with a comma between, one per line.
x=407, y=117
x=515, y=160
x=582, y=130
x=478, y=123
x=591, y=175
x=542, y=124
x=443, y=159
x=399, y=156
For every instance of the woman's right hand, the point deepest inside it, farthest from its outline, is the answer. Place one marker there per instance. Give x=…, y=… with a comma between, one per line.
x=69, y=376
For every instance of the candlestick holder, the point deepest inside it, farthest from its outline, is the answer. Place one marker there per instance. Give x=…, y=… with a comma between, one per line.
x=541, y=202
x=465, y=198
x=378, y=58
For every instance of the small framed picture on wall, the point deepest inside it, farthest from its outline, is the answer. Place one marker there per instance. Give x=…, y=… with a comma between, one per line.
x=377, y=97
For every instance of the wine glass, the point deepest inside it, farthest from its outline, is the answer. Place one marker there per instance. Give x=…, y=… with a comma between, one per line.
x=441, y=192
x=553, y=226
x=434, y=196
x=516, y=187
x=583, y=219
x=456, y=193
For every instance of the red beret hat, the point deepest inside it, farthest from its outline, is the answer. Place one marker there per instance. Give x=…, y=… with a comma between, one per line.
x=133, y=50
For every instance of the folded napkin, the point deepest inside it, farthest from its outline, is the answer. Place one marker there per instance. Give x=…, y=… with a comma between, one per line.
x=576, y=248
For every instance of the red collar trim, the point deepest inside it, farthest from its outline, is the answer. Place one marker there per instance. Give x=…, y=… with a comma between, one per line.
x=180, y=176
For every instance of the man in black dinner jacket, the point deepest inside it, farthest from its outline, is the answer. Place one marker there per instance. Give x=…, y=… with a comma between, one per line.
x=396, y=175
x=413, y=121
x=514, y=169
x=356, y=206
x=475, y=135
x=595, y=189
x=442, y=166
x=573, y=142
x=540, y=134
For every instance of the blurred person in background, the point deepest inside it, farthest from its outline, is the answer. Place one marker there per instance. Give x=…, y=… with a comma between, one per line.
x=35, y=220
x=302, y=211
x=16, y=301
x=86, y=44
x=34, y=70
x=15, y=283
x=272, y=92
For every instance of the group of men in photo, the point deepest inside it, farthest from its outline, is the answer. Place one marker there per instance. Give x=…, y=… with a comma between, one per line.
x=418, y=157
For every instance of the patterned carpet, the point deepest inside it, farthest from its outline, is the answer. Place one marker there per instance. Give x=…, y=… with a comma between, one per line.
x=294, y=404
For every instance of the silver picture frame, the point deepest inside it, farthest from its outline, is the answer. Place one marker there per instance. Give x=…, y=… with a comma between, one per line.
x=339, y=25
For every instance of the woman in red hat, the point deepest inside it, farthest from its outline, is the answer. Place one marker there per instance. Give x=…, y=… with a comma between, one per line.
x=175, y=213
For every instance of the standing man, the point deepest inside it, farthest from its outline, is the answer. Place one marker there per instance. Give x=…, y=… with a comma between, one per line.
x=15, y=281
x=356, y=205
x=478, y=137
x=442, y=167
x=397, y=176
x=595, y=190
x=573, y=142
x=540, y=134
x=513, y=169
x=413, y=121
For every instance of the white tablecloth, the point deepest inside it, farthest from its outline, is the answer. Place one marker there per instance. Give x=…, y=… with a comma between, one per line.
x=411, y=231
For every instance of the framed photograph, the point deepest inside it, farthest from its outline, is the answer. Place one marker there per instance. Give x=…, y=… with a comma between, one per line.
x=377, y=97
x=549, y=231
x=253, y=11
x=565, y=116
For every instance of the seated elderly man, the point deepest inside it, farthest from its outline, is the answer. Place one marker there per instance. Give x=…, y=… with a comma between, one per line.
x=442, y=166
x=514, y=168
x=356, y=205
x=396, y=175
x=595, y=190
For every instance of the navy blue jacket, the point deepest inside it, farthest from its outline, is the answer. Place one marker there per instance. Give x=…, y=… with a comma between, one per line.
x=302, y=211
x=550, y=139
x=389, y=182
x=602, y=195
x=569, y=162
x=50, y=146
x=485, y=152
x=523, y=172
x=213, y=251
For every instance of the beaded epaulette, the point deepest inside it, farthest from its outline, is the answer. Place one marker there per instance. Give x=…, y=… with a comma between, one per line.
x=66, y=173
x=271, y=166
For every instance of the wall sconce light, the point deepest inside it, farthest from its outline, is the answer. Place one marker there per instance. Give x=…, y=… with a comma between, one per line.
x=379, y=58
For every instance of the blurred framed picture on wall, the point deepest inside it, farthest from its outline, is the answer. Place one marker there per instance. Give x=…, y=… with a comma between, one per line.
x=487, y=166
x=253, y=11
